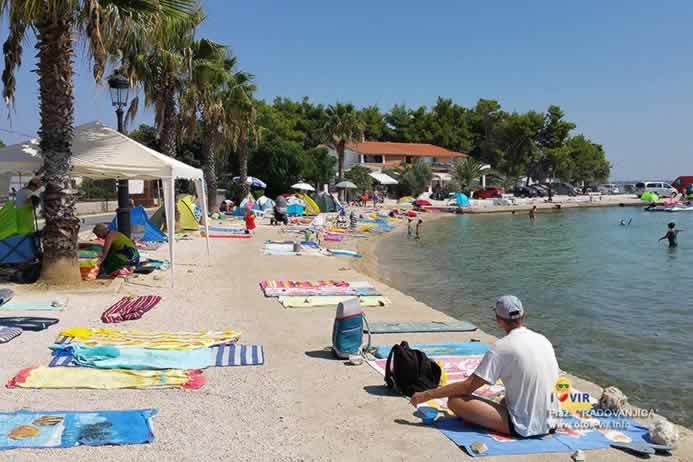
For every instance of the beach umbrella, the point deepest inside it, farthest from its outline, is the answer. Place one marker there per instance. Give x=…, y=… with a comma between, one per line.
x=303, y=187
x=252, y=181
x=345, y=185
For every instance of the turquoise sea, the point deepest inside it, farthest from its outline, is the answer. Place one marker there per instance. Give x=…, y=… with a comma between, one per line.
x=616, y=304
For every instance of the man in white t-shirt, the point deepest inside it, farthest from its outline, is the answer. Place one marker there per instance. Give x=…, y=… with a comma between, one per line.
x=526, y=364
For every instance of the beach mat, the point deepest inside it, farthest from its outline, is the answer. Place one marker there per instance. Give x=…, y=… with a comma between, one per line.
x=130, y=308
x=439, y=349
x=65, y=429
x=228, y=355
x=31, y=323
x=33, y=306
x=159, y=340
x=230, y=236
x=331, y=301
x=228, y=230
x=105, y=379
x=425, y=326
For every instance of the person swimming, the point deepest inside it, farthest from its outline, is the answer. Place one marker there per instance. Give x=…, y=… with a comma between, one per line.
x=672, y=235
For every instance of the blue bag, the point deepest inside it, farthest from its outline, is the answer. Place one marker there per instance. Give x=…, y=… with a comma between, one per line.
x=347, y=331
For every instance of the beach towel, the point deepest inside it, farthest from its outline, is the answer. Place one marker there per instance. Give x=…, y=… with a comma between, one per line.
x=230, y=236
x=332, y=301
x=9, y=333
x=346, y=253
x=425, y=326
x=110, y=357
x=5, y=296
x=28, y=322
x=228, y=230
x=220, y=356
x=130, y=308
x=64, y=429
x=148, y=339
x=439, y=349
x=33, y=306
x=82, y=377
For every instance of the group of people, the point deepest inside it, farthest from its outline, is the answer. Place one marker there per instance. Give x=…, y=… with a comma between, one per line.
x=417, y=236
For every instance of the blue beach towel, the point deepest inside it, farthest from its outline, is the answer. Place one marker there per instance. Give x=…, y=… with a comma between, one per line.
x=65, y=429
x=426, y=326
x=564, y=440
x=110, y=357
x=439, y=349
x=462, y=200
x=219, y=355
x=228, y=230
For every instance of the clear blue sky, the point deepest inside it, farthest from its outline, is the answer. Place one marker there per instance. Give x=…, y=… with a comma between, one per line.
x=621, y=70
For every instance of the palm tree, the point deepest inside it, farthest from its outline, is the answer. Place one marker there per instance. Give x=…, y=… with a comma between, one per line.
x=241, y=120
x=161, y=63
x=465, y=172
x=344, y=125
x=56, y=23
x=204, y=97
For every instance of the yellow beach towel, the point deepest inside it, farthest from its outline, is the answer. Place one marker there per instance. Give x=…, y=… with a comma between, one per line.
x=86, y=377
x=150, y=339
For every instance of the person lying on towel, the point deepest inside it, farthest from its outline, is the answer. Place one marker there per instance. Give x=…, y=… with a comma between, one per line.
x=526, y=364
x=118, y=250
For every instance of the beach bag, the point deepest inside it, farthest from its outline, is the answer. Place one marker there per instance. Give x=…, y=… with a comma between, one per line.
x=411, y=370
x=347, y=331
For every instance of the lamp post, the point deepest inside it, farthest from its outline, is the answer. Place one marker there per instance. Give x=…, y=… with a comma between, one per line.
x=120, y=87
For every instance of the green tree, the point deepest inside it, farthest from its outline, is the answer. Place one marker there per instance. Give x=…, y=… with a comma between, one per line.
x=278, y=162
x=318, y=167
x=102, y=26
x=465, y=172
x=360, y=176
x=516, y=143
x=590, y=164
x=415, y=177
x=373, y=122
x=344, y=125
x=241, y=120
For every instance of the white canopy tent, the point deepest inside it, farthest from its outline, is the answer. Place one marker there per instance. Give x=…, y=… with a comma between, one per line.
x=101, y=152
x=382, y=178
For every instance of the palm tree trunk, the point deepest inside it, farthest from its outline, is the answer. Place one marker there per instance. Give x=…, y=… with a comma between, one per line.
x=168, y=125
x=209, y=162
x=55, y=51
x=340, y=159
x=243, y=164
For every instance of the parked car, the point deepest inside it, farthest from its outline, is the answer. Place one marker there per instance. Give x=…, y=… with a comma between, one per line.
x=628, y=188
x=609, y=188
x=489, y=193
x=681, y=183
x=564, y=189
x=660, y=188
x=525, y=191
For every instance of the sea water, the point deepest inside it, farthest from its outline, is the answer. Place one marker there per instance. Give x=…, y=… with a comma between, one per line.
x=615, y=303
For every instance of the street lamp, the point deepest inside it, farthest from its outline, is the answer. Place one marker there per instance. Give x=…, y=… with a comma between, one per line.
x=119, y=86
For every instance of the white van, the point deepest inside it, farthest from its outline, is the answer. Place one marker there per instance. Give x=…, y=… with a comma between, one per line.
x=657, y=187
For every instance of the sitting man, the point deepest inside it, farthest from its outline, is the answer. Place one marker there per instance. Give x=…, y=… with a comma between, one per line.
x=525, y=361
x=118, y=250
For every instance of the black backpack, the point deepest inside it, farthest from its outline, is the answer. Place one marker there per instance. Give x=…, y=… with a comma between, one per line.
x=411, y=370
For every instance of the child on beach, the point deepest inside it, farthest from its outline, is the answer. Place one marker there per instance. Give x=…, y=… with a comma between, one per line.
x=418, y=229
x=250, y=222
x=409, y=228
x=672, y=235
x=533, y=214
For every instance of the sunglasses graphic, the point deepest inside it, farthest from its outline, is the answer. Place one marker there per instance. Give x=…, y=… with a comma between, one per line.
x=563, y=386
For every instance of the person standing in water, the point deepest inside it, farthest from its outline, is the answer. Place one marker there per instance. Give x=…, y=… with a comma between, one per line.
x=409, y=228
x=418, y=229
x=672, y=235
x=533, y=214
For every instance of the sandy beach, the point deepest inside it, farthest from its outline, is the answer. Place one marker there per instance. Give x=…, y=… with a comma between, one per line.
x=302, y=404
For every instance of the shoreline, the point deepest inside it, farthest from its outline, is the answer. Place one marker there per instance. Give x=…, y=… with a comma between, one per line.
x=369, y=265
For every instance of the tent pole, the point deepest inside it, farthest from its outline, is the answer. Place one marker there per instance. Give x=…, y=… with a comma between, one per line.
x=171, y=218
x=205, y=212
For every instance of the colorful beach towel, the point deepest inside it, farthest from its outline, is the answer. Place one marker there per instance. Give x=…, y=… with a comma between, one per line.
x=31, y=323
x=230, y=236
x=130, y=308
x=216, y=356
x=346, y=253
x=9, y=333
x=81, y=377
x=34, y=306
x=110, y=357
x=439, y=349
x=148, y=339
x=65, y=429
x=426, y=326
x=228, y=230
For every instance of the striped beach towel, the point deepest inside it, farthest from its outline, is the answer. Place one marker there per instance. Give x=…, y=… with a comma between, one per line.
x=224, y=355
x=148, y=339
x=130, y=308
